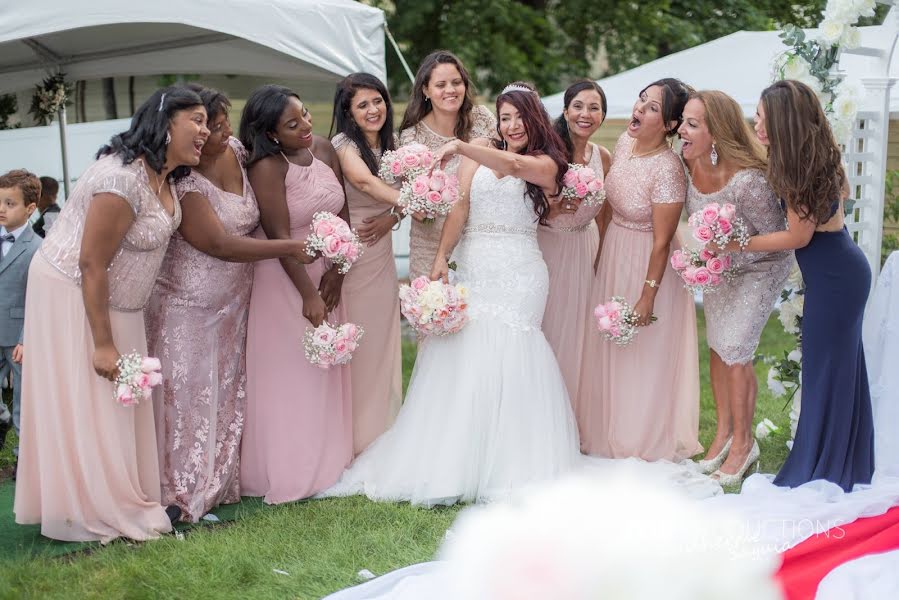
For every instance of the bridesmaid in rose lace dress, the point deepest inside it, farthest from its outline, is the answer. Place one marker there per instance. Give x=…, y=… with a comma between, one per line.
x=441, y=109
x=88, y=467
x=197, y=322
x=570, y=240
x=644, y=397
x=726, y=164
x=298, y=435
x=363, y=117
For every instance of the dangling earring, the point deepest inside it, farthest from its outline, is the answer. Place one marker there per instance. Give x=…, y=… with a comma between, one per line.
x=427, y=99
x=714, y=155
x=277, y=142
x=168, y=138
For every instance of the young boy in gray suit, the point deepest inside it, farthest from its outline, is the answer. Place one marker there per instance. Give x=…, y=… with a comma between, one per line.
x=19, y=193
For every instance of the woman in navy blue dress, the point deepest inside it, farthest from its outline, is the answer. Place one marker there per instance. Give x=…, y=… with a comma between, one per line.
x=835, y=436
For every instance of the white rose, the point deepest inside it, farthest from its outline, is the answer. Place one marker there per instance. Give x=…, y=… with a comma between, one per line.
x=796, y=67
x=787, y=317
x=852, y=38
x=812, y=82
x=830, y=31
x=777, y=388
x=865, y=8
x=842, y=130
x=845, y=108
x=795, y=280
x=842, y=11
x=795, y=355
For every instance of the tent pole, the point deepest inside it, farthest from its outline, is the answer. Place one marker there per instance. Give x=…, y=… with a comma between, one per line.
x=65, y=152
x=399, y=53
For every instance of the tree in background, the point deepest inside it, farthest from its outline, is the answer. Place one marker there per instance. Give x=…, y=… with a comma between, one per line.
x=551, y=42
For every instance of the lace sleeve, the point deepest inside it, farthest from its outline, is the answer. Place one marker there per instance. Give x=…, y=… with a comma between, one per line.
x=757, y=203
x=340, y=140
x=123, y=183
x=189, y=184
x=669, y=182
x=407, y=136
x=484, y=123
x=239, y=151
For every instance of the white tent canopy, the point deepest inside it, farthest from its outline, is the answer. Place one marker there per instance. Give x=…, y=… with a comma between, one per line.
x=739, y=64
x=318, y=40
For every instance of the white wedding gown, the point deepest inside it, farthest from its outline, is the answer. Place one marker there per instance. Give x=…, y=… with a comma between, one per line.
x=486, y=412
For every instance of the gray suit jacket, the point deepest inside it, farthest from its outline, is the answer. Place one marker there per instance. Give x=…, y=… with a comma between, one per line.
x=13, y=281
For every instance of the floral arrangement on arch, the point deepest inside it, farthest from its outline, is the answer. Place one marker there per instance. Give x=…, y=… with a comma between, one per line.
x=49, y=97
x=811, y=60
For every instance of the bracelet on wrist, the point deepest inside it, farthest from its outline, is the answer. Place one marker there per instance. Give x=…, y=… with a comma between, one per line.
x=652, y=283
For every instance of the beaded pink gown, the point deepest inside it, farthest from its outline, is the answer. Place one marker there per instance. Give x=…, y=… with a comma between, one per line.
x=88, y=467
x=371, y=300
x=643, y=398
x=569, y=244
x=424, y=238
x=197, y=326
x=298, y=433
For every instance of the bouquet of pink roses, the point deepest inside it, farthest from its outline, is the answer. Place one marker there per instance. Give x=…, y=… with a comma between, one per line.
x=434, y=307
x=328, y=345
x=580, y=184
x=701, y=269
x=617, y=321
x=719, y=224
x=433, y=194
x=137, y=377
x=333, y=238
x=405, y=163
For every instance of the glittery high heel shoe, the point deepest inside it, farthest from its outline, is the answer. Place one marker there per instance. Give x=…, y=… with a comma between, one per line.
x=711, y=465
x=728, y=479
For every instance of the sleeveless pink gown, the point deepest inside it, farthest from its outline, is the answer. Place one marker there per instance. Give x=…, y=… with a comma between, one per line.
x=298, y=435
x=569, y=244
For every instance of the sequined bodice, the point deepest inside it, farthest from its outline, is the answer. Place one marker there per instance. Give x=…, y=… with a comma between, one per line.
x=634, y=184
x=498, y=256
x=584, y=214
x=136, y=262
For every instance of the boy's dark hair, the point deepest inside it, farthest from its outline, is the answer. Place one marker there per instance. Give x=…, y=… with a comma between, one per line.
x=25, y=181
x=49, y=187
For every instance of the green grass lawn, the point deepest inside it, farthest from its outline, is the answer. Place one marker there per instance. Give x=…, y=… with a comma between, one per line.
x=320, y=545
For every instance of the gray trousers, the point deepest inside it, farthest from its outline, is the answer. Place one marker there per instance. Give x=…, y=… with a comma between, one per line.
x=6, y=362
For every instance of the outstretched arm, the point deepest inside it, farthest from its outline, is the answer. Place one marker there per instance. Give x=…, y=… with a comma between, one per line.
x=455, y=222
x=539, y=170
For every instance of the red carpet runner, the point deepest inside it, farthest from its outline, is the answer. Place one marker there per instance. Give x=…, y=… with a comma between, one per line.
x=807, y=563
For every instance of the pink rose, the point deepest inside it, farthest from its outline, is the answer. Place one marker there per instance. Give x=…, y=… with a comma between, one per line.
x=705, y=255
x=580, y=189
x=351, y=252
x=725, y=226
x=123, y=393
x=420, y=185
x=703, y=234
x=141, y=379
x=323, y=228
x=604, y=323
x=426, y=158
x=149, y=364
x=411, y=161
x=570, y=179
x=728, y=211
x=689, y=275
x=710, y=214
x=155, y=378
x=678, y=260
x=715, y=265
x=702, y=276
x=333, y=246
x=727, y=261
x=438, y=181
x=324, y=335
x=420, y=283
x=586, y=175
x=615, y=331
x=350, y=330
x=714, y=278
x=434, y=197
x=595, y=185
x=600, y=311
x=396, y=167
x=449, y=195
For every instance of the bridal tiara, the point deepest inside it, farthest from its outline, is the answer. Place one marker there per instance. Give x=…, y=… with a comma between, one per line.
x=512, y=87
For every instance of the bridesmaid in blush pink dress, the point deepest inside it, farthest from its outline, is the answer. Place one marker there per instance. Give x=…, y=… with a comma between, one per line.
x=570, y=240
x=363, y=117
x=298, y=435
x=644, y=397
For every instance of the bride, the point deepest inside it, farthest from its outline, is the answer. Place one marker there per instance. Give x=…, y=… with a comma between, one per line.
x=487, y=412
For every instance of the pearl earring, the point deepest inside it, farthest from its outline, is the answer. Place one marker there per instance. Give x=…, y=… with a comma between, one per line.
x=714, y=155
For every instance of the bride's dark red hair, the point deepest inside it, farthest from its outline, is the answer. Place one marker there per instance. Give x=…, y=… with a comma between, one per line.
x=542, y=139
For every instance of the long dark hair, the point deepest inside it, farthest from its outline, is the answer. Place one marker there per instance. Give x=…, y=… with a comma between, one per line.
x=561, y=124
x=149, y=127
x=418, y=107
x=675, y=95
x=260, y=117
x=342, y=118
x=542, y=139
x=216, y=102
x=804, y=164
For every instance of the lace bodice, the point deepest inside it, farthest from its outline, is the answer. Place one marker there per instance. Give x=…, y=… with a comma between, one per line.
x=136, y=262
x=498, y=257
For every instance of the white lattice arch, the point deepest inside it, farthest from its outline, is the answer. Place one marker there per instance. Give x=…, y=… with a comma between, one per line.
x=865, y=154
